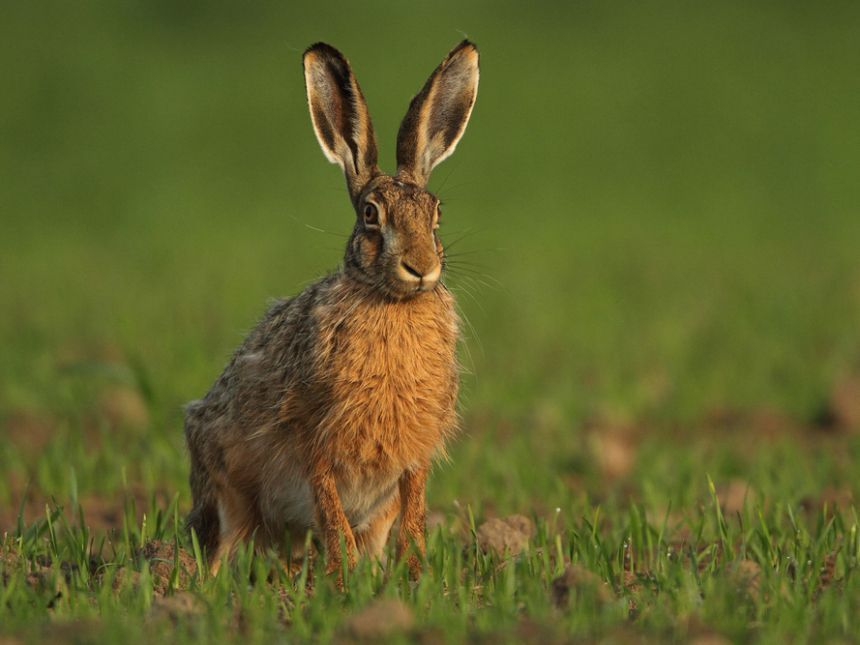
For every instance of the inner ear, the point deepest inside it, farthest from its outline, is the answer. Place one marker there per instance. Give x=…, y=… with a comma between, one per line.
x=438, y=115
x=340, y=116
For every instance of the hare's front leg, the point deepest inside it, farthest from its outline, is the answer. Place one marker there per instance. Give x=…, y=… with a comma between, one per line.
x=412, y=488
x=332, y=521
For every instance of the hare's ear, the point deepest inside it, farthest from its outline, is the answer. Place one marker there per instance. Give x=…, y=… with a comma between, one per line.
x=339, y=115
x=438, y=114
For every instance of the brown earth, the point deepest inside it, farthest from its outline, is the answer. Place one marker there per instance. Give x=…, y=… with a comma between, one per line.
x=509, y=535
x=161, y=557
x=577, y=580
x=842, y=410
x=29, y=431
x=101, y=512
x=381, y=619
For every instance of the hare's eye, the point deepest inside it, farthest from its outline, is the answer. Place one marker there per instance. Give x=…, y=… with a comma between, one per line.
x=371, y=214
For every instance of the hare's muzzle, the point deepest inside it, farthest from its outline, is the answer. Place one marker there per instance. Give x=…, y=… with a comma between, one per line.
x=417, y=279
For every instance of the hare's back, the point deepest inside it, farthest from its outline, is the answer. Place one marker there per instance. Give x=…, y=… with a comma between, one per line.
x=276, y=353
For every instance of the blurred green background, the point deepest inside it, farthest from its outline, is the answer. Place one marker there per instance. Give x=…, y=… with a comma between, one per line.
x=659, y=202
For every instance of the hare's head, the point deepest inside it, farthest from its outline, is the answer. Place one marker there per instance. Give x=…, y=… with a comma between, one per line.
x=394, y=245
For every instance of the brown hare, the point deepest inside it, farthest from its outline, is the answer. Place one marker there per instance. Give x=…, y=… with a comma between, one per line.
x=330, y=414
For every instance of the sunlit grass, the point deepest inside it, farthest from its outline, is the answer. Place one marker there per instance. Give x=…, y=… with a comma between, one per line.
x=653, y=229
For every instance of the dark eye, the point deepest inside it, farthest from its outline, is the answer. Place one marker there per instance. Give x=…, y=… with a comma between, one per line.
x=371, y=214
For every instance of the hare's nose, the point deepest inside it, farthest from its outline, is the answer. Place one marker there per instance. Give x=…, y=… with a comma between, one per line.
x=408, y=273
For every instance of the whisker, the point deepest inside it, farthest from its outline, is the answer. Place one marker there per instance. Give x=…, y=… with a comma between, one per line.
x=447, y=177
x=474, y=251
x=473, y=334
x=467, y=264
x=462, y=184
x=492, y=282
x=468, y=291
x=317, y=228
x=467, y=233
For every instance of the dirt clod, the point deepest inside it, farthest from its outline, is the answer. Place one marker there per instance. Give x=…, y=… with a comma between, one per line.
x=380, y=619
x=76, y=630
x=614, y=450
x=176, y=606
x=576, y=580
x=161, y=557
x=747, y=576
x=733, y=494
x=843, y=406
x=123, y=407
x=709, y=638
x=126, y=576
x=505, y=535
x=434, y=519
x=827, y=573
x=9, y=640
x=28, y=431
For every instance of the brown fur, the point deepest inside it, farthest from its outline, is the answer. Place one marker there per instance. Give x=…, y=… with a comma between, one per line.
x=330, y=414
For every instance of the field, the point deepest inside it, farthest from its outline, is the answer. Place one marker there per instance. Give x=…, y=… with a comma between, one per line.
x=656, y=217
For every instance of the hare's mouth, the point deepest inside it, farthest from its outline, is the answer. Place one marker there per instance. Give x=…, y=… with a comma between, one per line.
x=400, y=291
x=403, y=290
x=416, y=278
x=412, y=281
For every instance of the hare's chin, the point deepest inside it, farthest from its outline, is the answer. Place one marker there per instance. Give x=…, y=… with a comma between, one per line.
x=427, y=286
x=408, y=290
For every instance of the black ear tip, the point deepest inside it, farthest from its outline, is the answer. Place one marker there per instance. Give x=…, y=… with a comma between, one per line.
x=466, y=52
x=324, y=50
x=465, y=44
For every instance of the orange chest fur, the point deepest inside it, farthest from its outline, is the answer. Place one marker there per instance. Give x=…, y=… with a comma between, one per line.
x=391, y=378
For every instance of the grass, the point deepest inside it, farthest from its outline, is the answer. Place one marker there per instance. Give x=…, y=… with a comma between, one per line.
x=658, y=211
x=767, y=572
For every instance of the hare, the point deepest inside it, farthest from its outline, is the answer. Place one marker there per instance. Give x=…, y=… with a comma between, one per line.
x=329, y=415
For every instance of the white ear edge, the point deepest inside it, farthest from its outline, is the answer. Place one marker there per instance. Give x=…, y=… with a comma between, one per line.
x=453, y=146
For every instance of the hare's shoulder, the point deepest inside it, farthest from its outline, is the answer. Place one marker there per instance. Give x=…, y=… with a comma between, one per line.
x=288, y=320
